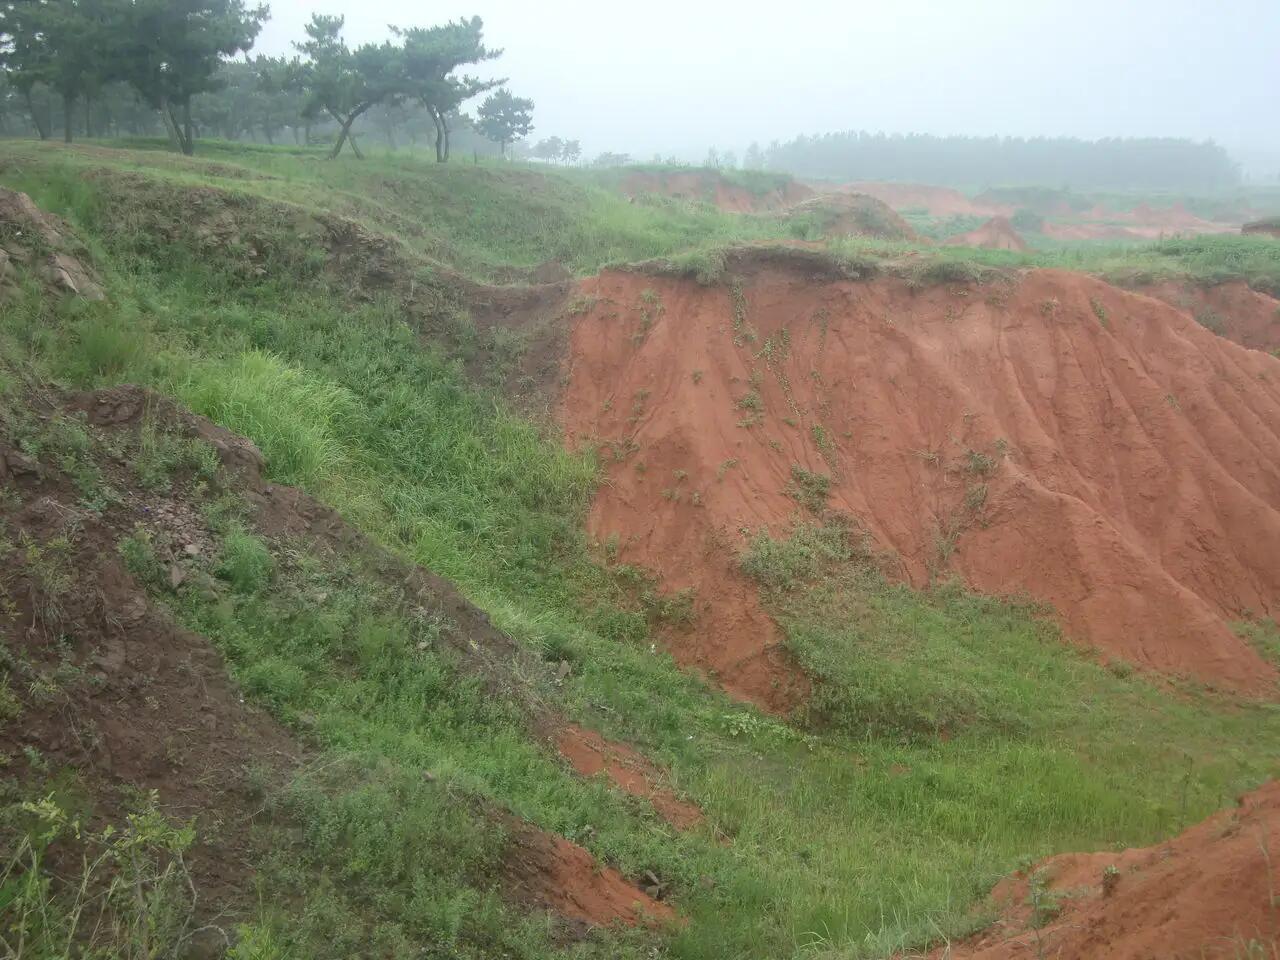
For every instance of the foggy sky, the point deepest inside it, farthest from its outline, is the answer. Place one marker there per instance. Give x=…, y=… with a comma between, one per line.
x=677, y=77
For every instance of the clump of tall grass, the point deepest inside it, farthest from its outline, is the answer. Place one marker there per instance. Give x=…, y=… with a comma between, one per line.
x=298, y=419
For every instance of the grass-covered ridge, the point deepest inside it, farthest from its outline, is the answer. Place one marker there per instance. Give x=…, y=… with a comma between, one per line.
x=498, y=222
x=492, y=222
x=953, y=737
x=1204, y=260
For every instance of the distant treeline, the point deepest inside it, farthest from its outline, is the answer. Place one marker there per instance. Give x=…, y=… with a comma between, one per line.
x=1147, y=163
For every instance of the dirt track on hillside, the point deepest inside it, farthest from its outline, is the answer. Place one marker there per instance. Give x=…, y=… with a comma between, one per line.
x=1057, y=437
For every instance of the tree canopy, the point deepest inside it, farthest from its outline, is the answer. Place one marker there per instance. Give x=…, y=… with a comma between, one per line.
x=504, y=118
x=176, y=53
x=432, y=57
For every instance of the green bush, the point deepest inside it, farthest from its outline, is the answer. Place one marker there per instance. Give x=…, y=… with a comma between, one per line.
x=245, y=563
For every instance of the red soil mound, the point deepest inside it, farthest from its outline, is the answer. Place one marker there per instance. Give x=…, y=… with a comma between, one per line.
x=712, y=187
x=591, y=754
x=996, y=234
x=939, y=201
x=549, y=872
x=1208, y=894
x=1093, y=448
x=852, y=214
x=1234, y=310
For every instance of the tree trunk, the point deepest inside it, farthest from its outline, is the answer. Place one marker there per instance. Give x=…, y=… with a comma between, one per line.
x=68, y=104
x=35, y=116
x=444, y=122
x=435, y=119
x=343, y=134
x=188, y=138
x=170, y=125
x=266, y=132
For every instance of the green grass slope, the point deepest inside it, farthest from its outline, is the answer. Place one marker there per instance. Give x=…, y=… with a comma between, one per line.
x=848, y=839
x=487, y=221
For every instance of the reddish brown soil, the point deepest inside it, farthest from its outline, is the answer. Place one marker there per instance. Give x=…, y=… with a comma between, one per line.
x=1208, y=894
x=996, y=234
x=1151, y=221
x=1242, y=313
x=1055, y=437
x=149, y=705
x=1142, y=222
x=551, y=873
x=590, y=754
x=711, y=187
x=939, y=201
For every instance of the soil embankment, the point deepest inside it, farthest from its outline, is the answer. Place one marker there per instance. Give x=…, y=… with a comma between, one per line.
x=1269, y=227
x=1055, y=437
x=1208, y=893
x=851, y=214
x=1233, y=310
x=139, y=675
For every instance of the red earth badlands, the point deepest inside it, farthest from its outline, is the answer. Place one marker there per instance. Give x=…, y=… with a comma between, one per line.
x=1245, y=315
x=996, y=234
x=1207, y=894
x=1092, y=448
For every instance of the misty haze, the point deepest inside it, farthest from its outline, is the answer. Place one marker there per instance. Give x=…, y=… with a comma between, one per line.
x=557, y=482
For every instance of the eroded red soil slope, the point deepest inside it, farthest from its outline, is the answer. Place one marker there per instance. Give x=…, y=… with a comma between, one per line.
x=1208, y=894
x=996, y=234
x=1055, y=436
x=1233, y=310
